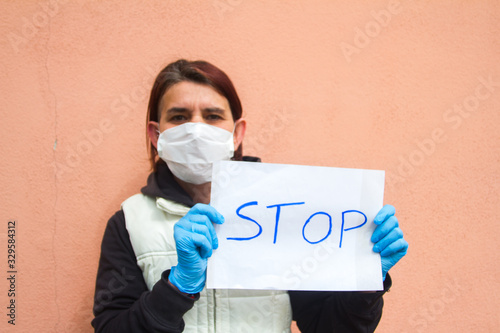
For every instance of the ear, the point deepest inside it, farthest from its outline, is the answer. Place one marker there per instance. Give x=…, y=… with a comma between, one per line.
x=153, y=128
x=240, y=127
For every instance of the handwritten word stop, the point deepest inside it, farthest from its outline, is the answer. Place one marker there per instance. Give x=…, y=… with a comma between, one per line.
x=306, y=223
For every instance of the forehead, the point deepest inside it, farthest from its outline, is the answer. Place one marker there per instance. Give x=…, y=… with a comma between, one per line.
x=192, y=95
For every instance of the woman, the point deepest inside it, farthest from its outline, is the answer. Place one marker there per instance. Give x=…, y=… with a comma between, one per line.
x=152, y=269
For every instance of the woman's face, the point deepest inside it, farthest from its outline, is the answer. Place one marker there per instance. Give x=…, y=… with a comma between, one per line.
x=192, y=102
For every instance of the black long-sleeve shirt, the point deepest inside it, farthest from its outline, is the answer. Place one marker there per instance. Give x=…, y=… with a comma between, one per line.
x=123, y=303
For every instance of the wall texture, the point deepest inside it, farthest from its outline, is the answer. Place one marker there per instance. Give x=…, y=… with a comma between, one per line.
x=410, y=88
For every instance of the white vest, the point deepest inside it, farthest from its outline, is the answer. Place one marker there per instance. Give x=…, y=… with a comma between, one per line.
x=150, y=224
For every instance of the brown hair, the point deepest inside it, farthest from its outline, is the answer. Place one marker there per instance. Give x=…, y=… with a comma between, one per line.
x=200, y=72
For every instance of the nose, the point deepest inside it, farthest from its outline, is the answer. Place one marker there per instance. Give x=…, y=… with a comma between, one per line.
x=197, y=117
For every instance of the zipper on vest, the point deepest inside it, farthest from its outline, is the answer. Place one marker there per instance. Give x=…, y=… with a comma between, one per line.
x=215, y=308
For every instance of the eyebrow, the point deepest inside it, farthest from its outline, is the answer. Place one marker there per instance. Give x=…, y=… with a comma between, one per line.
x=214, y=110
x=177, y=110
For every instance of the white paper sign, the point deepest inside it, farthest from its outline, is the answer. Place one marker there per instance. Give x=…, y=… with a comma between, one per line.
x=292, y=227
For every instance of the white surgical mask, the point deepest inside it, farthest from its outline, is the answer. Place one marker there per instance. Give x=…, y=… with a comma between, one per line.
x=190, y=149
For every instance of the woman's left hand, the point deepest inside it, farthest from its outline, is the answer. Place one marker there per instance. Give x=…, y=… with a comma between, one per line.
x=388, y=238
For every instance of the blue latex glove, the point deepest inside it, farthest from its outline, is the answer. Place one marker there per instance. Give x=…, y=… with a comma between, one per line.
x=195, y=239
x=388, y=238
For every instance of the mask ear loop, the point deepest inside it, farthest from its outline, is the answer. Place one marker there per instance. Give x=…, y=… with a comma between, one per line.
x=234, y=127
x=232, y=139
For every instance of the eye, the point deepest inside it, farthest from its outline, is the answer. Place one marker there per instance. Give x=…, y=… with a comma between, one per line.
x=213, y=117
x=214, y=114
x=177, y=118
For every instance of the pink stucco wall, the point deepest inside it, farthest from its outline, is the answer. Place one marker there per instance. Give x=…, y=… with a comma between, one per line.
x=410, y=88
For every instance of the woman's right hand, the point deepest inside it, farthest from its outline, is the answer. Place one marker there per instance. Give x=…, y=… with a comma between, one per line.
x=195, y=238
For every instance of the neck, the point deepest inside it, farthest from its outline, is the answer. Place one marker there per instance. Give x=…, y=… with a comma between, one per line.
x=199, y=193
